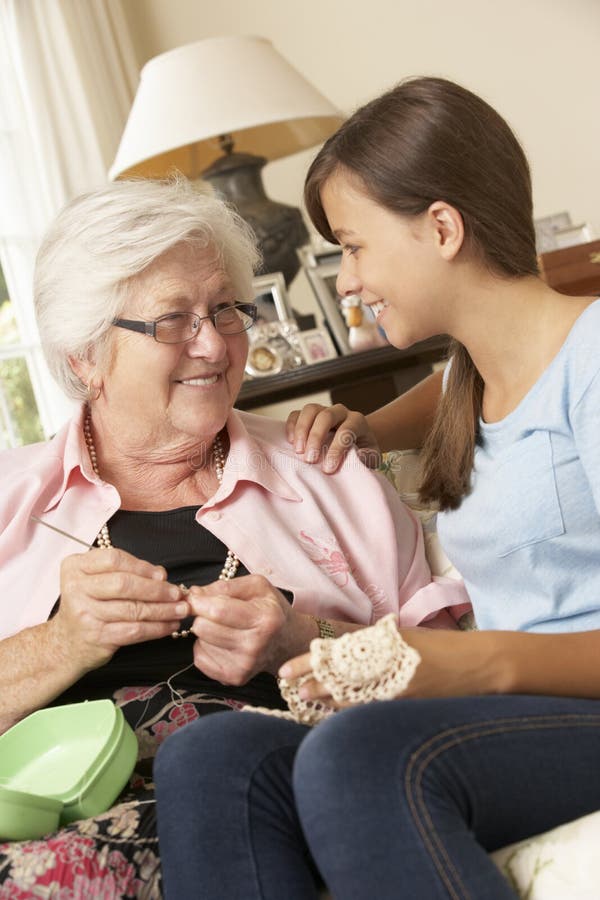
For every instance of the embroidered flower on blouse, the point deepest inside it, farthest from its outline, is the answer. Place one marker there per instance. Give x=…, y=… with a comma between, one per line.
x=328, y=555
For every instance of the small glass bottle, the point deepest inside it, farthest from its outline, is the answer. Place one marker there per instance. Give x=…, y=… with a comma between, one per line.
x=363, y=333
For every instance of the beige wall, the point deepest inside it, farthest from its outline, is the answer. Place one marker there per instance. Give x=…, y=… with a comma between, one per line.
x=535, y=60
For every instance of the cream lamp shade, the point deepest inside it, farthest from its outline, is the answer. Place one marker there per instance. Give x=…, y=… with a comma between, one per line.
x=237, y=86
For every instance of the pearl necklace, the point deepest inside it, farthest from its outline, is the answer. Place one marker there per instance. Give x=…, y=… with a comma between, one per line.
x=103, y=540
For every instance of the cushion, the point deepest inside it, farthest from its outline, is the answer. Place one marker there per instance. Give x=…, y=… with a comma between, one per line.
x=560, y=864
x=402, y=469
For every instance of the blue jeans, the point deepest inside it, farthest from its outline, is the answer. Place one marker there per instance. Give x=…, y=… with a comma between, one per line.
x=399, y=800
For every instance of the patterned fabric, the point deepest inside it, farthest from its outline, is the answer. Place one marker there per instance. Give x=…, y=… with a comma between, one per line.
x=560, y=864
x=113, y=855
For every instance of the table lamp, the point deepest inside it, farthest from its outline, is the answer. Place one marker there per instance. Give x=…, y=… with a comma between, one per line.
x=219, y=109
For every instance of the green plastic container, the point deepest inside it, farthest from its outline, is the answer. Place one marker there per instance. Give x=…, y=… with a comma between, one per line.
x=24, y=817
x=78, y=757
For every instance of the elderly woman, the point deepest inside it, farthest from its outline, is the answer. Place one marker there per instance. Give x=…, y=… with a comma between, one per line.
x=210, y=553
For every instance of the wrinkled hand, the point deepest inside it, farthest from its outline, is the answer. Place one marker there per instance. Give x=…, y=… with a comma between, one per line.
x=453, y=664
x=242, y=628
x=310, y=431
x=108, y=599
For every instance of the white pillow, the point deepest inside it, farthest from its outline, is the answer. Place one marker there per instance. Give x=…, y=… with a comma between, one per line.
x=561, y=864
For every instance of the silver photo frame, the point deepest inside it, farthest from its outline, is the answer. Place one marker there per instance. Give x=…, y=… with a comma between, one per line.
x=271, y=298
x=316, y=345
x=263, y=360
x=572, y=235
x=321, y=270
x=547, y=228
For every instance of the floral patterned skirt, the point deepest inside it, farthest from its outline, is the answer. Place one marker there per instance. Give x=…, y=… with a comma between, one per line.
x=115, y=854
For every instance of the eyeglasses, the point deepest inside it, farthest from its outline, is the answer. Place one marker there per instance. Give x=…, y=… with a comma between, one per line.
x=178, y=328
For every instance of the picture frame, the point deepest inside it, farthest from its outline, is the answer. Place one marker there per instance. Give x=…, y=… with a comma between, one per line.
x=263, y=360
x=271, y=298
x=322, y=266
x=546, y=229
x=572, y=235
x=316, y=345
x=273, y=348
x=319, y=251
x=321, y=270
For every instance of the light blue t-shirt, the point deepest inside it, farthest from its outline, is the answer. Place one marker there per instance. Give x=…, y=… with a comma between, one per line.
x=527, y=538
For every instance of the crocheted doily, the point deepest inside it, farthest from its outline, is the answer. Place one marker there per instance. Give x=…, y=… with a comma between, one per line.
x=306, y=712
x=373, y=663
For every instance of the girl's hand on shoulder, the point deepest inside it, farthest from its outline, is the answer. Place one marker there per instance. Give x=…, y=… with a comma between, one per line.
x=326, y=433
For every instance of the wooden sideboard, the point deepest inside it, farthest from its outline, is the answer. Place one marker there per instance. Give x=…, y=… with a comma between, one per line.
x=362, y=381
x=573, y=270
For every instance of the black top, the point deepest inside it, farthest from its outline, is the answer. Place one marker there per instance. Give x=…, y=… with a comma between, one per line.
x=191, y=555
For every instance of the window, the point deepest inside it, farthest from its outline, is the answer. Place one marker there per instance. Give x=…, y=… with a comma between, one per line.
x=19, y=416
x=32, y=406
x=67, y=79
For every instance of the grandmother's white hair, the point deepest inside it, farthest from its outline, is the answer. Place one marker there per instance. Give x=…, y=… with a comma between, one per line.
x=101, y=240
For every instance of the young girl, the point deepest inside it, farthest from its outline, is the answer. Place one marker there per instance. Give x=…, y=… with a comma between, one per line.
x=497, y=735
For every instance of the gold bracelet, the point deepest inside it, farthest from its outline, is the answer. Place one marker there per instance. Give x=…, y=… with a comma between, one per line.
x=325, y=628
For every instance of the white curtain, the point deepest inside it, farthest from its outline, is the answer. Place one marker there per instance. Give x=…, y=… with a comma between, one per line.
x=68, y=76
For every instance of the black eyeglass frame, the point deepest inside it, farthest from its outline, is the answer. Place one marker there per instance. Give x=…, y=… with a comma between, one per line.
x=149, y=328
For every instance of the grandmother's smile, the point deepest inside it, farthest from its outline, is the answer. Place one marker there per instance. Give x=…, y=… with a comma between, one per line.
x=199, y=382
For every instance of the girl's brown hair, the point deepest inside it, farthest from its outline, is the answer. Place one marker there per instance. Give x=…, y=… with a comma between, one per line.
x=429, y=139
